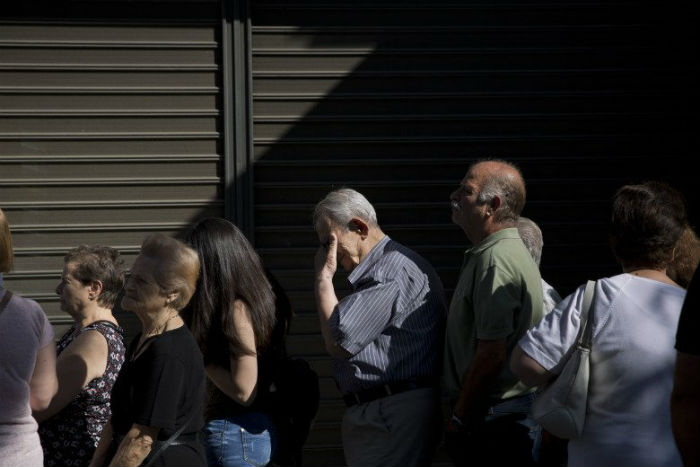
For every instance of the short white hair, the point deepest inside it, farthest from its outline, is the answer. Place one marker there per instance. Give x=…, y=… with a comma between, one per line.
x=341, y=206
x=531, y=235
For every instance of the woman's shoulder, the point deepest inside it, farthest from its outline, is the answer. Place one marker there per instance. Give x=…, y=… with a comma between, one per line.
x=178, y=341
x=109, y=330
x=28, y=314
x=25, y=309
x=19, y=302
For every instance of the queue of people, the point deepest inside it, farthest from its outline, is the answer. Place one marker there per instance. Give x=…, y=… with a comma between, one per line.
x=207, y=380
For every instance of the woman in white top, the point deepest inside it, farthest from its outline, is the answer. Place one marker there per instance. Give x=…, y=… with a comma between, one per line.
x=27, y=368
x=635, y=319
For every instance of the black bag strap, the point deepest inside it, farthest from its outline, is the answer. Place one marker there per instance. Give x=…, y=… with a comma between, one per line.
x=586, y=334
x=166, y=444
x=5, y=300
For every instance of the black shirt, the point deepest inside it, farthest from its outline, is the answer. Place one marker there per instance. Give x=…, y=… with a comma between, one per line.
x=164, y=388
x=687, y=336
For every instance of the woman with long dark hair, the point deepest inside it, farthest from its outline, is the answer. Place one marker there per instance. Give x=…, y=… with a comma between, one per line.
x=231, y=315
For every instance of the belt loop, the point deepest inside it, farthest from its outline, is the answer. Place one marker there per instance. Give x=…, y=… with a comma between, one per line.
x=388, y=389
x=357, y=398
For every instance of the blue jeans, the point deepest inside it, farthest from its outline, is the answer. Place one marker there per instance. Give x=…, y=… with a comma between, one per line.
x=242, y=441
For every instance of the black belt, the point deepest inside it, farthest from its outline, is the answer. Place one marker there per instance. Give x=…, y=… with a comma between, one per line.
x=377, y=392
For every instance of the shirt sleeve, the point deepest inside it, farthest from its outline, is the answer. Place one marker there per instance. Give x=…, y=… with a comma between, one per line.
x=496, y=299
x=47, y=335
x=42, y=327
x=360, y=317
x=158, y=392
x=555, y=334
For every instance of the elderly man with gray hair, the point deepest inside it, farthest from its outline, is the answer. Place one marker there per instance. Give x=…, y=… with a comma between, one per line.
x=531, y=236
x=498, y=297
x=385, y=335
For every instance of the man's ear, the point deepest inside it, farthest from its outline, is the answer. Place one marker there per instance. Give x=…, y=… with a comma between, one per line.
x=496, y=202
x=360, y=226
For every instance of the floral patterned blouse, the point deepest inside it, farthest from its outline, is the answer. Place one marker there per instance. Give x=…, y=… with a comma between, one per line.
x=70, y=437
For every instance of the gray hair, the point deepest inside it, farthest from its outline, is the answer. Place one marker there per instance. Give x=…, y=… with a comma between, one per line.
x=531, y=235
x=508, y=186
x=340, y=206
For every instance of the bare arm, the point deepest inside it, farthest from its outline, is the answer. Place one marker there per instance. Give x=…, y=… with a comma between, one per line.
x=82, y=361
x=685, y=407
x=240, y=382
x=44, y=382
x=326, y=299
x=479, y=380
x=135, y=446
x=100, y=455
x=527, y=369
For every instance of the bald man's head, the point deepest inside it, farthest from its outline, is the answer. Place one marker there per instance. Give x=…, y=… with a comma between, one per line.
x=500, y=179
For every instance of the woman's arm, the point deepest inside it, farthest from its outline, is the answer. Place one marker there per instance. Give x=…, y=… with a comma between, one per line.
x=527, y=369
x=100, y=455
x=82, y=361
x=135, y=446
x=240, y=382
x=44, y=383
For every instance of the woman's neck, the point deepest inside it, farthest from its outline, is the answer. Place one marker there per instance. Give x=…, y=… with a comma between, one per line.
x=96, y=314
x=649, y=273
x=160, y=322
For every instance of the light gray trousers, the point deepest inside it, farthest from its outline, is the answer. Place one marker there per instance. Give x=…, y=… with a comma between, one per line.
x=401, y=430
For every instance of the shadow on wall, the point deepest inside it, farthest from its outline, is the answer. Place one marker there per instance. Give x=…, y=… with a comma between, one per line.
x=396, y=98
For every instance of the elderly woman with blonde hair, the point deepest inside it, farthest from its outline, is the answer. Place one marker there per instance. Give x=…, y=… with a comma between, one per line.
x=158, y=398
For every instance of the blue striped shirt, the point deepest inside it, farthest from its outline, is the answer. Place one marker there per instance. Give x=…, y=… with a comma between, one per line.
x=392, y=322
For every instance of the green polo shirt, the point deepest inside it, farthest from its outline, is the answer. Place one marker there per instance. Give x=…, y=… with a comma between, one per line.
x=499, y=295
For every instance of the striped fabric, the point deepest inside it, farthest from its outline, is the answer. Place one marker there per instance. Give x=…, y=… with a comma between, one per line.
x=393, y=321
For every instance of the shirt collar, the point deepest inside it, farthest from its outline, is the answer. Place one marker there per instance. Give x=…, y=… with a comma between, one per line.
x=488, y=242
x=369, y=260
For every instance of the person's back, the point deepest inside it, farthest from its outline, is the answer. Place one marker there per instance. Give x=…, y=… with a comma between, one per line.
x=421, y=295
x=632, y=360
x=635, y=316
x=24, y=330
x=633, y=349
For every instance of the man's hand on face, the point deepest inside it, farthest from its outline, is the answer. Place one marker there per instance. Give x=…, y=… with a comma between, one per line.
x=326, y=262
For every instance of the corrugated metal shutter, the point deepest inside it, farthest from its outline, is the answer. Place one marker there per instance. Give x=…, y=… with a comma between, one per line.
x=109, y=124
x=395, y=98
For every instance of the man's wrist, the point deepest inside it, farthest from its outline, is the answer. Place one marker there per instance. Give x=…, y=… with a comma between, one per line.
x=323, y=278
